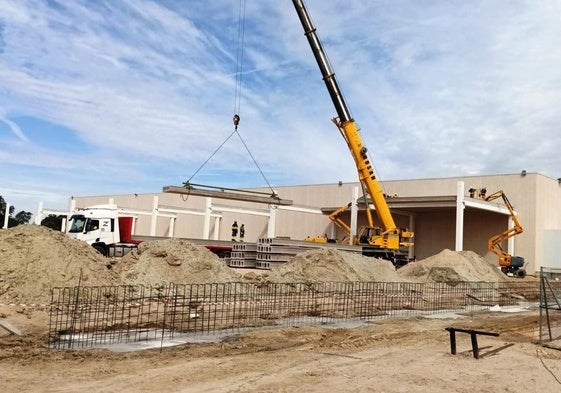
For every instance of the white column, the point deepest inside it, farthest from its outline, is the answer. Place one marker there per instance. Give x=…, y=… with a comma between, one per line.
x=272, y=222
x=171, y=227
x=6, y=216
x=206, y=222
x=354, y=214
x=460, y=206
x=510, y=241
x=216, y=234
x=71, y=210
x=332, y=230
x=154, y=220
x=39, y=215
x=412, y=229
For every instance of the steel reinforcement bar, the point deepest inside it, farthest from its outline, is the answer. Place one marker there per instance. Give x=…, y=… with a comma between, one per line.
x=550, y=307
x=88, y=316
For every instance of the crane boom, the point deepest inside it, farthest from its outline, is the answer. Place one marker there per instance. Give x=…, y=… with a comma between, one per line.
x=391, y=237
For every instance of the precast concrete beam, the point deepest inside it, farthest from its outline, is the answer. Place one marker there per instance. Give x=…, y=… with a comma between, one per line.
x=237, y=196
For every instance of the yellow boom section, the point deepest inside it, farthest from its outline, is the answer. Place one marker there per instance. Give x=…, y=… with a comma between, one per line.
x=366, y=175
x=494, y=242
x=389, y=237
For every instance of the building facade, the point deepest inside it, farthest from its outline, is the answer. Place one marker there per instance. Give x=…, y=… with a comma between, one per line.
x=440, y=211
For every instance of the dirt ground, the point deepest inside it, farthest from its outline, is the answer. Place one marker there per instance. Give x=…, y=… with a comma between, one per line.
x=397, y=355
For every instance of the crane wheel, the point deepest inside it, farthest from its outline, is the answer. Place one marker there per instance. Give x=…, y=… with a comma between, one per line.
x=521, y=273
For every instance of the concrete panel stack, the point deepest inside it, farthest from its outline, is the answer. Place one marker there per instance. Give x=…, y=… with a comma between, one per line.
x=275, y=251
x=243, y=255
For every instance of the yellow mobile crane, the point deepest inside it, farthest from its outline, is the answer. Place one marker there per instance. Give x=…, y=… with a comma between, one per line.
x=510, y=265
x=386, y=241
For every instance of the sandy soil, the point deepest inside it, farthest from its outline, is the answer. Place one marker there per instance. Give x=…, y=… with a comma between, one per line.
x=34, y=259
x=400, y=355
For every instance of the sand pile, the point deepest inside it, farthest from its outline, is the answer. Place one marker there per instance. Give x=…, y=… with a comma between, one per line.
x=173, y=260
x=33, y=259
x=326, y=264
x=452, y=266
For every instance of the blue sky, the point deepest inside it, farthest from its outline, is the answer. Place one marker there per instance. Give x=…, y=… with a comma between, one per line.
x=116, y=97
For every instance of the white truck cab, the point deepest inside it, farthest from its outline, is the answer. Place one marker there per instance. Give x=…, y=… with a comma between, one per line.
x=102, y=228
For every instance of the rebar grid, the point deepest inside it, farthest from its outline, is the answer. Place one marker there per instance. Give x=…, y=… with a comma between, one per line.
x=87, y=316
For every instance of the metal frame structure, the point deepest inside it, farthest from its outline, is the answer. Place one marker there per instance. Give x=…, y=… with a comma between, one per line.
x=550, y=307
x=97, y=316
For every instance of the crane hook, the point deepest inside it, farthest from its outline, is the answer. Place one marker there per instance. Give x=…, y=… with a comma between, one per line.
x=236, y=120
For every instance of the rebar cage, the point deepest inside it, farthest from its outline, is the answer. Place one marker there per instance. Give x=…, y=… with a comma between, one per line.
x=92, y=316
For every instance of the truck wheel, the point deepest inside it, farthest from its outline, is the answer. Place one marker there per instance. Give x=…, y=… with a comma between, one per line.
x=101, y=249
x=521, y=273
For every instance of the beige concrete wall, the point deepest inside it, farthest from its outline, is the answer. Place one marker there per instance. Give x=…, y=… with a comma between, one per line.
x=548, y=213
x=536, y=198
x=296, y=225
x=434, y=231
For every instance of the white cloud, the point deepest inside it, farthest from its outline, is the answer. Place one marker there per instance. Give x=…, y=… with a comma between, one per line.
x=15, y=129
x=439, y=89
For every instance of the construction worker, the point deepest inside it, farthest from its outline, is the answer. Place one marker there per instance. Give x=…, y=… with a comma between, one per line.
x=242, y=232
x=234, y=231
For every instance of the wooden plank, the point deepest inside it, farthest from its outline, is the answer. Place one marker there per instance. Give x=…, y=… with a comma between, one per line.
x=271, y=200
x=10, y=328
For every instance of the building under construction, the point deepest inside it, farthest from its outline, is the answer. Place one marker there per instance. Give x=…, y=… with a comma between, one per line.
x=445, y=213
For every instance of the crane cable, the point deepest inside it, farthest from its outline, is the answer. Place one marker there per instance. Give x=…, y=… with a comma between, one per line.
x=237, y=98
x=239, y=61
